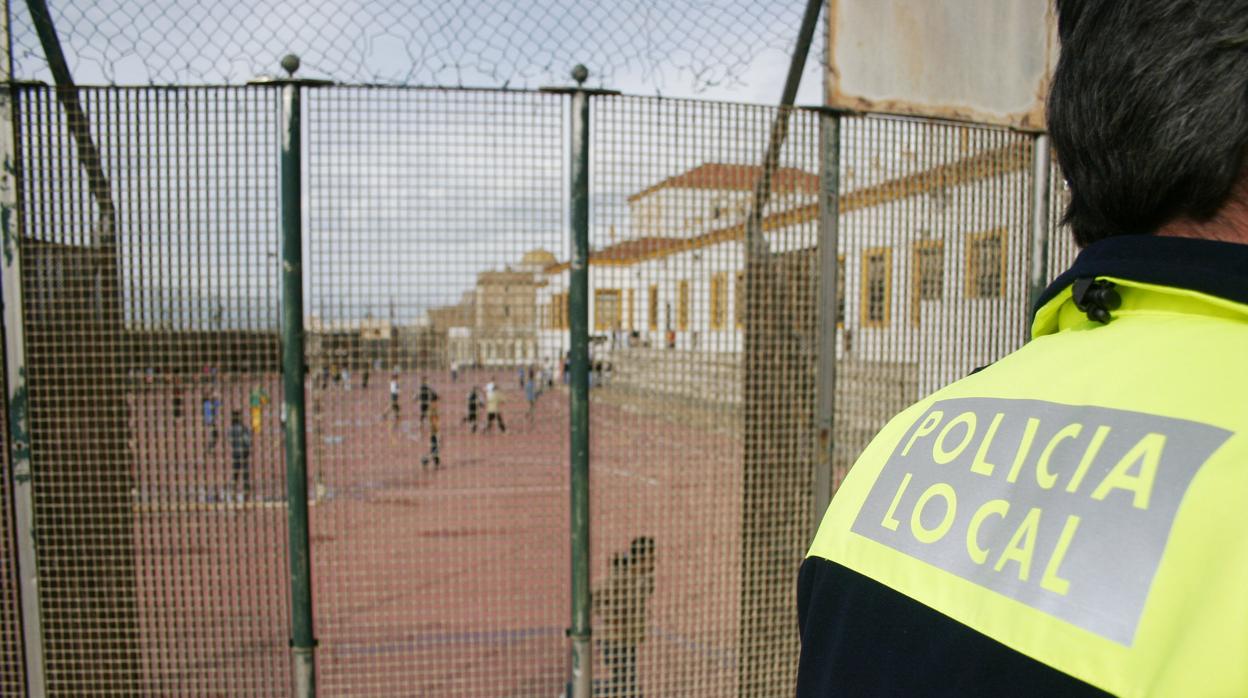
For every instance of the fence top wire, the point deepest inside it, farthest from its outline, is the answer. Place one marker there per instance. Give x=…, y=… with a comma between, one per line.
x=672, y=47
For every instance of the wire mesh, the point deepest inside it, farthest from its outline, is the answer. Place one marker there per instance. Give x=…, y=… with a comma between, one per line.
x=12, y=671
x=519, y=43
x=933, y=251
x=440, y=528
x=686, y=599
x=149, y=310
x=436, y=270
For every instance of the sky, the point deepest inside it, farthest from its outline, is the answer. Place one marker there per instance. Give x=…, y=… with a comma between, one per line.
x=408, y=194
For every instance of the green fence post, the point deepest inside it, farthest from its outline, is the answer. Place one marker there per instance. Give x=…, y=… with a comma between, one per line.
x=303, y=645
x=581, y=684
x=578, y=315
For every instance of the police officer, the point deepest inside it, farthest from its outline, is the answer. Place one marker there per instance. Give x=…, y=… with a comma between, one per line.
x=1071, y=519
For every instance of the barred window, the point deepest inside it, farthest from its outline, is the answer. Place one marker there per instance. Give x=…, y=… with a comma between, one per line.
x=927, y=275
x=840, y=291
x=559, y=311
x=876, y=286
x=738, y=299
x=985, y=264
x=654, y=306
x=606, y=309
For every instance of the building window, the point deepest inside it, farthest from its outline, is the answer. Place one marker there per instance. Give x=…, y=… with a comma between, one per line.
x=629, y=304
x=876, y=286
x=653, y=302
x=927, y=275
x=985, y=264
x=738, y=299
x=719, y=300
x=840, y=291
x=606, y=309
x=559, y=311
x=682, y=305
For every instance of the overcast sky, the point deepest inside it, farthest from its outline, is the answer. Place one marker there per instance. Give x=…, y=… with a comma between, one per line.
x=408, y=194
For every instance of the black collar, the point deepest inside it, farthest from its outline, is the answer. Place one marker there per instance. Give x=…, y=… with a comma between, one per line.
x=1207, y=266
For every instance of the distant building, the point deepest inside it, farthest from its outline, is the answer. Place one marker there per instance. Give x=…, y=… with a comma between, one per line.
x=496, y=323
x=676, y=281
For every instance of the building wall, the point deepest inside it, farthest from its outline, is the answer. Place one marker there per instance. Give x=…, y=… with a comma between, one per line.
x=913, y=328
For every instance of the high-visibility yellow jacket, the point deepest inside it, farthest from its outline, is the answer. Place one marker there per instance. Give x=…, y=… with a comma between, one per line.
x=1071, y=519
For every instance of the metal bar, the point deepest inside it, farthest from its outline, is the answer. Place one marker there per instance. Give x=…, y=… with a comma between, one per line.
x=76, y=121
x=302, y=642
x=578, y=315
x=18, y=405
x=755, y=243
x=1039, y=219
x=826, y=309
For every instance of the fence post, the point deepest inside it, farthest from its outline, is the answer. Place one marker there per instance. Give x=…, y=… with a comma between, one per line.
x=1039, y=220
x=578, y=315
x=581, y=683
x=827, y=305
x=303, y=645
x=17, y=405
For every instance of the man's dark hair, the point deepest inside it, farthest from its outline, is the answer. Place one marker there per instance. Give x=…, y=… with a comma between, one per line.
x=1149, y=111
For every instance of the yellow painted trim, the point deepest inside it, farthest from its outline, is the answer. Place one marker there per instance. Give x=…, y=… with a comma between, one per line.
x=719, y=300
x=682, y=305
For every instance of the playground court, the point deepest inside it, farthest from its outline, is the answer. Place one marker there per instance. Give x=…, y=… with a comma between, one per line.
x=448, y=581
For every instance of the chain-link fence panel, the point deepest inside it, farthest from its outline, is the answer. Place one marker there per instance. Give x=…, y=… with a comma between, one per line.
x=933, y=252
x=437, y=280
x=12, y=670
x=438, y=430
x=148, y=226
x=687, y=537
x=640, y=44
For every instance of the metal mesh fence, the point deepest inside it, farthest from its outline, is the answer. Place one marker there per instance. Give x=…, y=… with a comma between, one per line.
x=933, y=253
x=681, y=45
x=149, y=296
x=440, y=527
x=683, y=600
x=12, y=670
x=437, y=280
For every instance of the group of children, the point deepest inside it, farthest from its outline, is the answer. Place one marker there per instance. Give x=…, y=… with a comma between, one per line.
x=238, y=435
x=428, y=400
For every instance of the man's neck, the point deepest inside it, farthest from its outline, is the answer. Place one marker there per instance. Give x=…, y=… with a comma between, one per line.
x=1229, y=224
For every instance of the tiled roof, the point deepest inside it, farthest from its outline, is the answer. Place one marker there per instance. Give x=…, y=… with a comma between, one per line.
x=716, y=175
x=632, y=249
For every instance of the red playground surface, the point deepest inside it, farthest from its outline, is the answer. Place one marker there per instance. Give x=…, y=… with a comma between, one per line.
x=447, y=581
